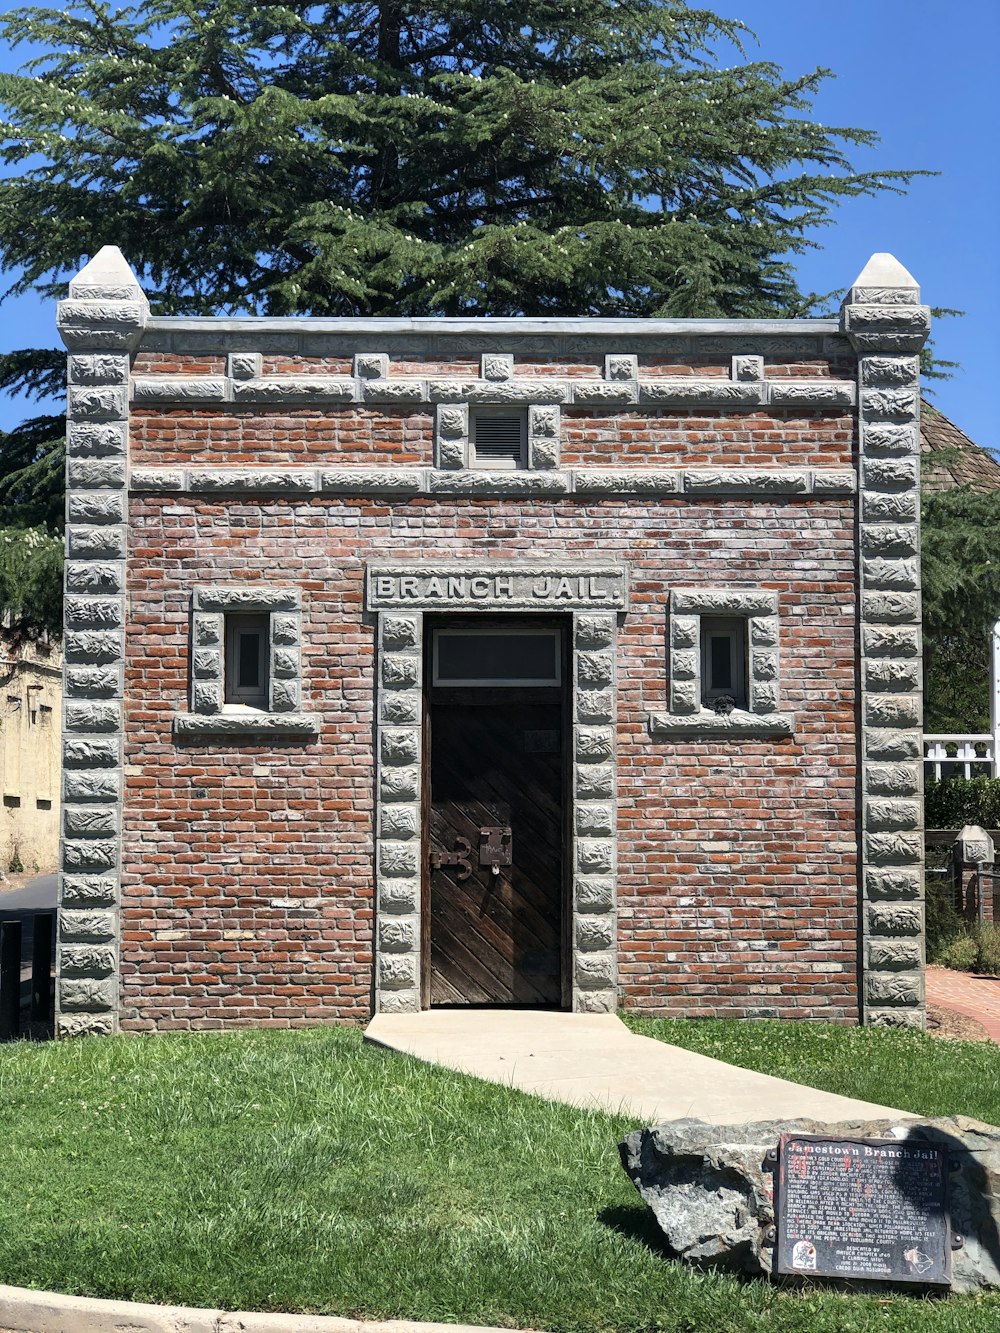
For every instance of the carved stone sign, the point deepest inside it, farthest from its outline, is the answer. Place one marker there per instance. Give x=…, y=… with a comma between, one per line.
x=521, y=587
x=863, y=1208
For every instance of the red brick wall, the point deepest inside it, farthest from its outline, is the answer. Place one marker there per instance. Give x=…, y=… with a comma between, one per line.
x=737, y=888
x=668, y=438
x=177, y=363
x=597, y=436
x=306, y=435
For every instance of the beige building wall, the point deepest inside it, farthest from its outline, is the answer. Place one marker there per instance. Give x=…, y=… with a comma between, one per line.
x=30, y=709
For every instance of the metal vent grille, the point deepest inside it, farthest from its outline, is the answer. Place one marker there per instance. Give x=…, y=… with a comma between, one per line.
x=498, y=438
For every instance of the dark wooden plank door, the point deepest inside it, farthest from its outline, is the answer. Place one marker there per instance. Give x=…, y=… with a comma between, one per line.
x=496, y=939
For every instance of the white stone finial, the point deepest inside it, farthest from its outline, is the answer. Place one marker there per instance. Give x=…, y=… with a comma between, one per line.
x=106, y=277
x=107, y=309
x=882, y=275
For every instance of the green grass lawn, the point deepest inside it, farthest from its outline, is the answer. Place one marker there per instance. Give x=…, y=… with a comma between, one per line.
x=305, y=1171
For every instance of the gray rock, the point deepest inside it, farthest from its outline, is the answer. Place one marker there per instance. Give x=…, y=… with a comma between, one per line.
x=712, y=1191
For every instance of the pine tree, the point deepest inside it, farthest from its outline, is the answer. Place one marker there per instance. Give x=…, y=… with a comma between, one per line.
x=31, y=566
x=961, y=601
x=393, y=159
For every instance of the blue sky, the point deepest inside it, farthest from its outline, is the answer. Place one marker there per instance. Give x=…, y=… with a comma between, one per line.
x=922, y=74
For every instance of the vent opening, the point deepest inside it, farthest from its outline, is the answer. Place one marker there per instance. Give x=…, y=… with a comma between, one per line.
x=499, y=438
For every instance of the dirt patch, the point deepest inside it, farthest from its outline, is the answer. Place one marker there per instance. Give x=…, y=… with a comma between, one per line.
x=11, y=882
x=954, y=1027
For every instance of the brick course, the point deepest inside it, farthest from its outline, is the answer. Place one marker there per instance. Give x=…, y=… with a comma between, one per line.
x=293, y=435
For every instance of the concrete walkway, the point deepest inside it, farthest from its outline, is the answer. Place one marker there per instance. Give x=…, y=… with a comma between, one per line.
x=594, y=1060
x=969, y=993
x=24, y=1311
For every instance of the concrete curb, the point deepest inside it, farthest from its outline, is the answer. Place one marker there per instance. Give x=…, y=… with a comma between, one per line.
x=26, y=1311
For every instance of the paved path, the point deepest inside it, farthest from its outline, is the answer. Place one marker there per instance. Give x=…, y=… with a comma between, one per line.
x=966, y=993
x=594, y=1060
x=37, y=895
x=24, y=1311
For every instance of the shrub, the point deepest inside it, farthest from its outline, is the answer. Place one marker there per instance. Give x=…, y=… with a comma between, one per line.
x=953, y=802
x=944, y=924
x=954, y=942
x=987, y=940
x=961, y=954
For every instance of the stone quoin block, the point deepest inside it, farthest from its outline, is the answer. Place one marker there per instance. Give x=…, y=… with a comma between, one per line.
x=97, y=752
x=95, y=473
x=93, y=680
x=620, y=367
x=398, y=895
x=85, y=440
x=88, y=891
x=371, y=365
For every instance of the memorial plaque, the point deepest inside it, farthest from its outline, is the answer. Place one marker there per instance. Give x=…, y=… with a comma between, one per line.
x=872, y=1209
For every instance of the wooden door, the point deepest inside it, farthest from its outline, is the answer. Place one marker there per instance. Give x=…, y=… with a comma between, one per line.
x=495, y=938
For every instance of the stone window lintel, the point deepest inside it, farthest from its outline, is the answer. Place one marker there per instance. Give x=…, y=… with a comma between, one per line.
x=249, y=722
x=738, y=723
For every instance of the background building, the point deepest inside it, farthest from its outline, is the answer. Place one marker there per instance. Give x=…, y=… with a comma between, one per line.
x=31, y=685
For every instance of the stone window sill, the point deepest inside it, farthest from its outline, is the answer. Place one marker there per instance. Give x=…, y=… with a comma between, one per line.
x=707, y=722
x=246, y=722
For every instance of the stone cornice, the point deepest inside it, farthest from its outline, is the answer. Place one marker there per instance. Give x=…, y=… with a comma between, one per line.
x=504, y=338
x=547, y=327
x=281, y=391
x=292, y=481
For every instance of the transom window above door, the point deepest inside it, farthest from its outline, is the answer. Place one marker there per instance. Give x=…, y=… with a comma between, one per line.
x=495, y=657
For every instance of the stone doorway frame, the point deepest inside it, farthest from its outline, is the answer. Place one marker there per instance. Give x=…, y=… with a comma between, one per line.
x=399, y=758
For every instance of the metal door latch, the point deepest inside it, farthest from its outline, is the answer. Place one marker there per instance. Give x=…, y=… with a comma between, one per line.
x=459, y=857
x=495, y=847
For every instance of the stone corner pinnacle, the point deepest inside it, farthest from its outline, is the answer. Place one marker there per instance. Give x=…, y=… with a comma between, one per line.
x=107, y=276
x=107, y=308
x=883, y=281
x=882, y=312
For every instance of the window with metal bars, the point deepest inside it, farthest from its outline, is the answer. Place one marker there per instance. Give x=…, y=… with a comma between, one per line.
x=246, y=659
x=723, y=660
x=499, y=437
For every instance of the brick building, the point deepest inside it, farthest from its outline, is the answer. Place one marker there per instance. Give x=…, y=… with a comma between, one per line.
x=548, y=662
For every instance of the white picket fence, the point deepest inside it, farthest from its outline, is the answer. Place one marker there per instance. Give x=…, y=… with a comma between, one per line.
x=969, y=755
x=958, y=756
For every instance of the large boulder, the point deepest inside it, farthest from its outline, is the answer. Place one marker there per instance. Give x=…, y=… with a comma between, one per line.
x=711, y=1187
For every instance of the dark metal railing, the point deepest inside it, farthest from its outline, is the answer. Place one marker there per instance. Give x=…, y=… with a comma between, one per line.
x=26, y=976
